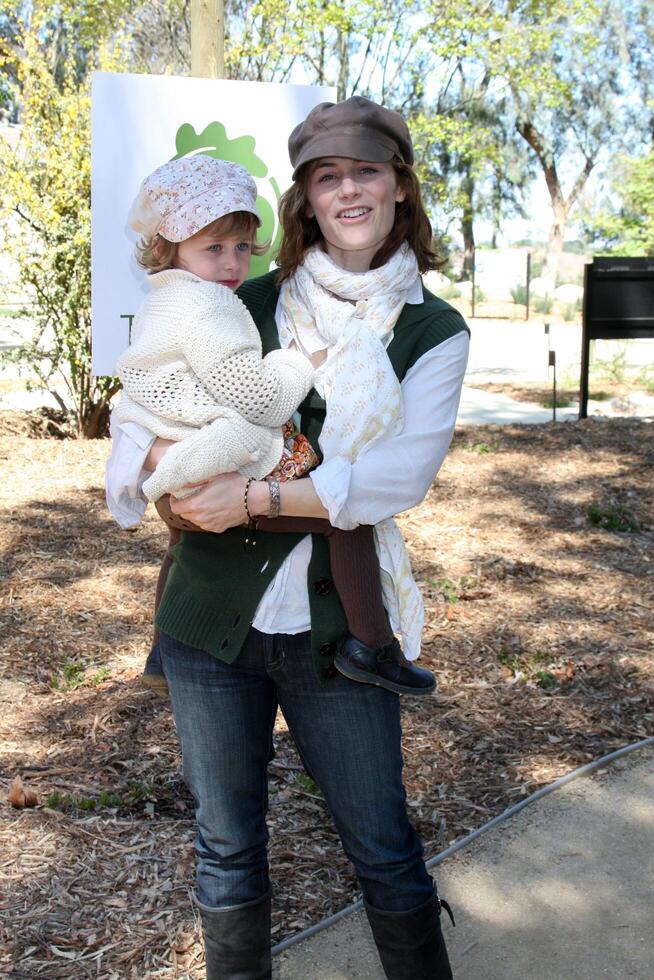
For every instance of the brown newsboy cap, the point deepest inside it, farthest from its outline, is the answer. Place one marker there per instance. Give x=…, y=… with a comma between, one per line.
x=356, y=128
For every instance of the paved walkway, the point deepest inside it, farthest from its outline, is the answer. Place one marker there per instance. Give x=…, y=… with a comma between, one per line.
x=562, y=891
x=500, y=350
x=479, y=407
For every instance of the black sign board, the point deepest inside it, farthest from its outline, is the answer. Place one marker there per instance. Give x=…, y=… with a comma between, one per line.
x=618, y=305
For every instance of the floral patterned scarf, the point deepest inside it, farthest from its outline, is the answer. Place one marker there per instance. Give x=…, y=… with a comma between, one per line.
x=351, y=316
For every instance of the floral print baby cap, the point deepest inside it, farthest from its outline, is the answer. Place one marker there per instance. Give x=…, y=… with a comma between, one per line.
x=183, y=196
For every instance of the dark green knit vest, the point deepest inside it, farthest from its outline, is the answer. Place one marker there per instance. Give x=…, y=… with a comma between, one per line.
x=217, y=580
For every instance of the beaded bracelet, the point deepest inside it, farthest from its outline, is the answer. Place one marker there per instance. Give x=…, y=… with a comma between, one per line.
x=252, y=521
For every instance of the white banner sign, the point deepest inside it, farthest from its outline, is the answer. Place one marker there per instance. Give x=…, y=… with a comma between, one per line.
x=499, y=271
x=140, y=122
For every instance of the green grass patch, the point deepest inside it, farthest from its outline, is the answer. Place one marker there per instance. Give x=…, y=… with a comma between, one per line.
x=74, y=674
x=599, y=396
x=71, y=676
x=645, y=379
x=562, y=401
x=618, y=519
x=76, y=803
x=98, y=677
x=519, y=295
x=70, y=803
x=110, y=800
x=546, y=680
x=481, y=448
x=529, y=667
x=308, y=784
x=451, y=589
x=543, y=304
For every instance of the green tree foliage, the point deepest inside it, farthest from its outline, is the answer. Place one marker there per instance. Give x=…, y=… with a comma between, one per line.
x=491, y=91
x=158, y=38
x=625, y=225
x=45, y=203
x=9, y=45
x=571, y=133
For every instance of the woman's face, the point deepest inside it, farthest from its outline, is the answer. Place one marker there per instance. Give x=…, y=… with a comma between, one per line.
x=353, y=202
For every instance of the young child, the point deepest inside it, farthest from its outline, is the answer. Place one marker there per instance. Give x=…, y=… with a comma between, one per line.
x=194, y=374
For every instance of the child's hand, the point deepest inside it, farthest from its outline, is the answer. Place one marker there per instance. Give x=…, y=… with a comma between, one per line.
x=318, y=357
x=187, y=491
x=156, y=454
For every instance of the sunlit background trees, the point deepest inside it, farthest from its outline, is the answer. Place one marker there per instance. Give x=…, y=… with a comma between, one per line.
x=502, y=97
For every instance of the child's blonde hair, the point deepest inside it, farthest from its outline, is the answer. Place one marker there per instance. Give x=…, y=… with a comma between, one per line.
x=156, y=254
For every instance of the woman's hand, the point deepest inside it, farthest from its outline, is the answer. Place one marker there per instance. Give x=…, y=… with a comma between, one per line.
x=219, y=505
x=156, y=454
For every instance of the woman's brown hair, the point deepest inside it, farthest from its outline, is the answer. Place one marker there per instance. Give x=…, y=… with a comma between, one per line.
x=157, y=254
x=411, y=225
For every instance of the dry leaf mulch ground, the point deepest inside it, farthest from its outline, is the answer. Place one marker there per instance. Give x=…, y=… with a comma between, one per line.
x=539, y=624
x=539, y=393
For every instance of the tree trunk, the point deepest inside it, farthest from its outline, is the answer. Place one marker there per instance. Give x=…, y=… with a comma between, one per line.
x=95, y=424
x=467, y=226
x=555, y=246
x=343, y=66
x=496, y=210
x=561, y=206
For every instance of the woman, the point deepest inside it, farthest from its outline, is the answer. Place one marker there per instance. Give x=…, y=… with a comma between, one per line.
x=252, y=623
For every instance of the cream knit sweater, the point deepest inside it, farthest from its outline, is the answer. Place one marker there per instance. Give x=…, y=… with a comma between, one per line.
x=194, y=374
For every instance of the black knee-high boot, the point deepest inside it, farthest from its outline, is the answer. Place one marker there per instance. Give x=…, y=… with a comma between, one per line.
x=411, y=944
x=237, y=941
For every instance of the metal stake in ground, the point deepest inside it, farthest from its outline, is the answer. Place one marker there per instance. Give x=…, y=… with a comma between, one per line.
x=552, y=363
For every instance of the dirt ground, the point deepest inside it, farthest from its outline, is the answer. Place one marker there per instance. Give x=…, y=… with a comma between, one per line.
x=534, y=553
x=540, y=394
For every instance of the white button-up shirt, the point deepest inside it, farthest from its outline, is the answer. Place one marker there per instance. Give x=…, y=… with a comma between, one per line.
x=390, y=476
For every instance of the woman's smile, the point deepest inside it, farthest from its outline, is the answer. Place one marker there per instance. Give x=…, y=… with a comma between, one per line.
x=351, y=214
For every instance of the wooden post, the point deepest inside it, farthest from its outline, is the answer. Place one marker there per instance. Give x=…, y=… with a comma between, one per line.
x=474, y=275
x=585, y=345
x=552, y=364
x=208, y=38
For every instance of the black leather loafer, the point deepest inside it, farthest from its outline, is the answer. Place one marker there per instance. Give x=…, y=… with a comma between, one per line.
x=384, y=666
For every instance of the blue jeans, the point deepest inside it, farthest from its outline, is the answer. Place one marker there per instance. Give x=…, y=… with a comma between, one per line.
x=349, y=737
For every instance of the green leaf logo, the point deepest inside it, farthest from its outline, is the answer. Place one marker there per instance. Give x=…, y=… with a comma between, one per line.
x=214, y=142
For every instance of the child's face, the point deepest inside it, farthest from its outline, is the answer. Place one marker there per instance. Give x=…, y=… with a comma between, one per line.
x=217, y=258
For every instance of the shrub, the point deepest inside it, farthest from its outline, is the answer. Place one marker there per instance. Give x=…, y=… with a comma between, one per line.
x=562, y=400
x=45, y=190
x=613, y=368
x=519, y=295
